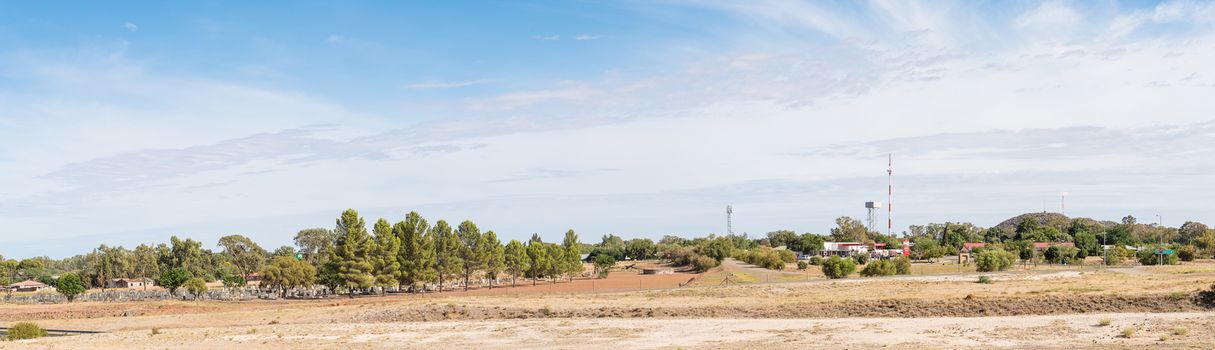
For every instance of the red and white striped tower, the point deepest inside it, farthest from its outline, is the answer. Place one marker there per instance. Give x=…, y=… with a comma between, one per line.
x=889, y=193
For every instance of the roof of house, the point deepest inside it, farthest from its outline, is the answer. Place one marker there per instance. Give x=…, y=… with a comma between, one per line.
x=972, y=245
x=29, y=283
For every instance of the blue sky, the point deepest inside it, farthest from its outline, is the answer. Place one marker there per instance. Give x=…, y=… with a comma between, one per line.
x=127, y=122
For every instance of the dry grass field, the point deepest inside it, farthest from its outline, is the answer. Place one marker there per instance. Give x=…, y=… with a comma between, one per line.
x=1039, y=308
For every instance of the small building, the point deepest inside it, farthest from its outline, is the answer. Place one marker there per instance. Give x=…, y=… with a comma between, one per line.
x=964, y=256
x=127, y=283
x=28, y=286
x=874, y=250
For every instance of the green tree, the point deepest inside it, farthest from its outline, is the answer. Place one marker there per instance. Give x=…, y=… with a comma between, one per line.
x=287, y=273
x=991, y=260
x=353, y=252
x=495, y=257
x=786, y=238
x=287, y=251
x=417, y=253
x=246, y=255
x=196, y=287
x=447, y=252
x=573, y=252
x=70, y=285
x=516, y=259
x=385, y=261
x=316, y=244
x=603, y=264
x=879, y=268
x=809, y=243
x=470, y=249
x=835, y=267
x=640, y=249
x=146, y=266
x=718, y=248
x=849, y=230
x=557, y=261
x=537, y=263
x=173, y=278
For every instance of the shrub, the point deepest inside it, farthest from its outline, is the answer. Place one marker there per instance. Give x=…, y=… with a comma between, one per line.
x=1114, y=256
x=603, y=264
x=994, y=260
x=787, y=256
x=861, y=259
x=1181, y=331
x=902, y=265
x=835, y=267
x=984, y=279
x=1149, y=256
x=70, y=285
x=173, y=279
x=1128, y=332
x=802, y=265
x=25, y=330
x=767, y=258
x=1105, y=321
x=196, y=286
x=704, y=263
x=1187, y=253
x=816, y=260
x=1060, y=254
x=878, y=268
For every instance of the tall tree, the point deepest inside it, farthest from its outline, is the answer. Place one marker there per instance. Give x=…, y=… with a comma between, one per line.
x=287, y=273
x=535, y=238
x=447, y=252
x=515, y=259
x=316, y=244
x=557, y=261
x=849, y=230
x=471, y=249
x=388, y=247
x=189, y=255
x=416, y=256
x=246, y=255
x=494, y=257
x=537, y=261
x=145, y=263
x=353, y=252
x=572, y=264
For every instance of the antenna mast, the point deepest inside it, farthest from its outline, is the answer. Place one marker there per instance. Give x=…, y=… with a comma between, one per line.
x=889, y=193
x=729, y=220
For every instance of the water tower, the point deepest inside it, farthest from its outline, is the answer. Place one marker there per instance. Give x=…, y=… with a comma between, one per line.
x=871, y=207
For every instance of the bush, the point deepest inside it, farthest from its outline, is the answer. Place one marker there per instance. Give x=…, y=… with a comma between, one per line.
x=861, y=259
x=70, y=285
x=173, y=279
x=1060, y=254
x=603, y=264
x=992, y=260
x=1148, y=256
x=704, y=263
x=787, y=256
x=816, y=260
x=1128, y=332
x=902, y=265
x=1105, y=321
x=1187, y=253
x=25, y=330
x=767, y=258
x=802, y=265
x=835, y=267
x=985, y=280
x=196, y=286
x=878, y=268
x=1114, y=256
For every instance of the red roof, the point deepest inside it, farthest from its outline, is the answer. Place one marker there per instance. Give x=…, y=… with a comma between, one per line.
x=973, y=245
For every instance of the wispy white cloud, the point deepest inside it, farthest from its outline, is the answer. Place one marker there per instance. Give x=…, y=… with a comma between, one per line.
x=131, y=27
x=552, y=37
x=334, y=39
x=446, y=84
x=584, y=36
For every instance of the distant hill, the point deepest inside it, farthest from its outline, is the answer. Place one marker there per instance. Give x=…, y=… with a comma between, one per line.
x=1057, y=220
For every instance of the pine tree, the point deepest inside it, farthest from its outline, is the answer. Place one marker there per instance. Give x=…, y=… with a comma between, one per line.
x=471, y=249
x=573, y=254
x=416, y=256
x=537, y=261
x=515, y=258
x=556, y=261
x=388, y=247
x=353, y=252
x=494, y=257
x=447, y=252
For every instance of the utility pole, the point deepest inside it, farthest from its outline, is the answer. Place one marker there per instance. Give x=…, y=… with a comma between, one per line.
x=1160, y=246
x=1063, y=203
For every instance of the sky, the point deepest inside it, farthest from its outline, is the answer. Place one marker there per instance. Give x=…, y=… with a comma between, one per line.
x=126, y=122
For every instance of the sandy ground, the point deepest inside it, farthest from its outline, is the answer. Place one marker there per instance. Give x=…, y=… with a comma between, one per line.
x=1046, y=308
x=1169, y=330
